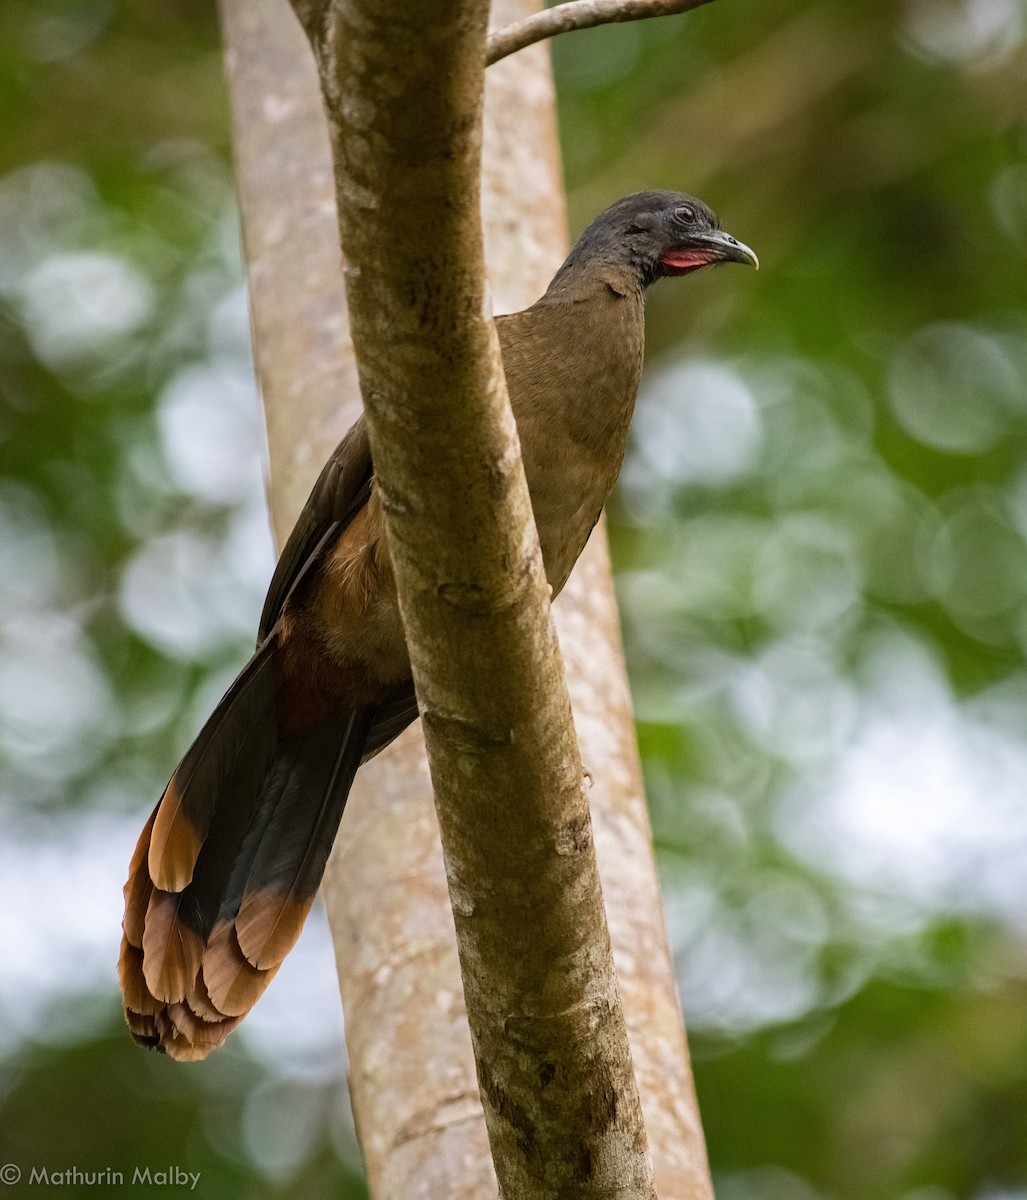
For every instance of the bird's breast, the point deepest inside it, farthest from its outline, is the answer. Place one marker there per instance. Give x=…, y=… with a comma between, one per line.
x=573, y=384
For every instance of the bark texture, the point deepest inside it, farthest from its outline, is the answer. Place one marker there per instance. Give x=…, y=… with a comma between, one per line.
x=403, y=91
x=412, y=1073
x=306, y=369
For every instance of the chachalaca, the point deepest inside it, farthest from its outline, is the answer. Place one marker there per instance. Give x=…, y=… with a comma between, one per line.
x=227, y=866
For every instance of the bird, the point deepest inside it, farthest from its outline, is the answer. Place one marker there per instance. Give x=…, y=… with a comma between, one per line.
x=228, y=864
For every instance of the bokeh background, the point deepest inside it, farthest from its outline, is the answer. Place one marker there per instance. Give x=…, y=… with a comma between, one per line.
x=821, y=541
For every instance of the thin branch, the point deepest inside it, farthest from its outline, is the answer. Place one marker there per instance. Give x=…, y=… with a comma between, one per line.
x=578, y=14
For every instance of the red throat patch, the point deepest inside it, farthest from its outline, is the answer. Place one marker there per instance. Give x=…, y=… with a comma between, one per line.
x=684, y=262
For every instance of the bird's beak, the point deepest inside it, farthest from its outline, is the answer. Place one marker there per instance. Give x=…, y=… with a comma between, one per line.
x=725, y=247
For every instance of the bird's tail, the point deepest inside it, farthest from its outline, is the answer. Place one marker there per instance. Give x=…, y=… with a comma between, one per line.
x=228, y=864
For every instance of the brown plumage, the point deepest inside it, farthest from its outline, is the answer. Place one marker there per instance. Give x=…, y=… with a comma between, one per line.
x=227, y=867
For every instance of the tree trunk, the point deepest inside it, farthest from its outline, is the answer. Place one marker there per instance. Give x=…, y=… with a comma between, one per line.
x=412, y=1074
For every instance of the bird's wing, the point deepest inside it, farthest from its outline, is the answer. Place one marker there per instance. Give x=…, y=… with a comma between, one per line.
x=341, y=490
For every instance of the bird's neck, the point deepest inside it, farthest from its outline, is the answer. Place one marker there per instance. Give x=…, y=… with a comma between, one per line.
x=585, y=279
x=592, y=322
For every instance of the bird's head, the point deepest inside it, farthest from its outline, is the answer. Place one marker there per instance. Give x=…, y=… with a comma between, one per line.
x=660, y=233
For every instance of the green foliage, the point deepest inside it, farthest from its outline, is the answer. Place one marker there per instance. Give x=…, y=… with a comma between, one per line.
x=822, y=564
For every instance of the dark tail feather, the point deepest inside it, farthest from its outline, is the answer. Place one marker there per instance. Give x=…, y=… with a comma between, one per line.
x=292, y=853
x=271, y=814
x=241, y=722
x=222, y=776
x=389, y=721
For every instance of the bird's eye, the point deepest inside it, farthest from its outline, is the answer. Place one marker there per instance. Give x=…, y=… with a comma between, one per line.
x=686, y=214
